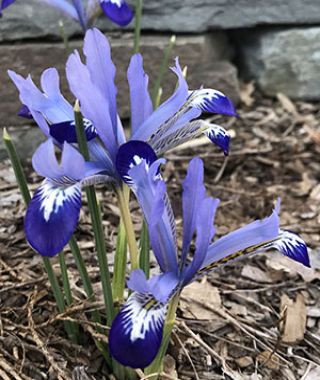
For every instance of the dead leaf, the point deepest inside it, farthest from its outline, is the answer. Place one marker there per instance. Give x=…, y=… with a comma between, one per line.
x=278, y=262
x=253, y=273
x=287, y=104
x=169, y=367
x=246, y=93
x=295, y=318
x=315, y=193
x=269, y=360
x=202, y=292
x=313, y=374
x=244, y=362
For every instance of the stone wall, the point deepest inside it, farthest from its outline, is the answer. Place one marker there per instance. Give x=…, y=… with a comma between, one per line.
x=274, y=42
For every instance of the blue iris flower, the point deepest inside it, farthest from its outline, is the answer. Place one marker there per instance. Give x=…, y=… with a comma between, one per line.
x=137, y=330
x=117, y=11
x=49, y=228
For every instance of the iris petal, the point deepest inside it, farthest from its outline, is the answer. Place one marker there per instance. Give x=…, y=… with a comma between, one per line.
x=212, y=101
x=52, y=217
x=118, y=11
x=131, y=154
x=219, y=136
x=293, y=246
x=25, y=112
x=66, y=131
x=136, y=333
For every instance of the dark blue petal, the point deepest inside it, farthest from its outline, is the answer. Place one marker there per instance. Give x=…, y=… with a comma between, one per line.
x=52, y=217
x=136, y=333
x=25, y=112
x=293, y=246
x=5, y=4
x=118, y=11
x=131, y=154
x=219, y=136
x=212, y=101
x=66, y=131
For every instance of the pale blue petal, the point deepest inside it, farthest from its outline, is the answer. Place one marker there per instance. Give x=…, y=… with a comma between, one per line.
x=102, y=70
x=141, y=104
x=167, y=110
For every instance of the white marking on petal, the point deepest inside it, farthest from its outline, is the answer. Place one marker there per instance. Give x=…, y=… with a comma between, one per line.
x=198, y=98
x=142, y=313
x=115, y=2
x=289, y=243
x=53, y=197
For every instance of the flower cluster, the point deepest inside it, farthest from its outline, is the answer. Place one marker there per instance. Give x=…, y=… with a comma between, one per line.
x=53, y=213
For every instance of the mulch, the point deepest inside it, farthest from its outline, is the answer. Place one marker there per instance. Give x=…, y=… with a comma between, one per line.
x=251, y=320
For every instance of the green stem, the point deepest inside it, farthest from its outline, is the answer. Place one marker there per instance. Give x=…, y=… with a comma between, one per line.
x=145, y=250
x=163, y=68
x=17, y=167
x=137, y=26
x=96, y=223
x=156, y=366
x=127, y=220
x=81, y=266
x=65, y=279
x=96, y=318
x=120, y=265
x=64, y=36
x=22, y=183
x=68, y=294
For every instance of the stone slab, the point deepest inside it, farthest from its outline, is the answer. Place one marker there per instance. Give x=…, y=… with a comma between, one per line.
x=30, y=19
x=283, y=60
x=200, y=53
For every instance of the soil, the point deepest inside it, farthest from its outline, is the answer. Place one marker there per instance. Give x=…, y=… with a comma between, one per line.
x=254, y=319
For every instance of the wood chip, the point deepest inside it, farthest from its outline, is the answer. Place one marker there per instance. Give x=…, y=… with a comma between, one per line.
x=202, y=292
x=295, y=318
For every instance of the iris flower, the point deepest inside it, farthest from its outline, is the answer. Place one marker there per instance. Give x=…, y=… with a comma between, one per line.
x=137, y=331
x=117, y=11
x=53, y=212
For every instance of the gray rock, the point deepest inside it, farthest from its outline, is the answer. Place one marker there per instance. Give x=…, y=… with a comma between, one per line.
x=200, y=53
x=283, y=60
x=30, y=19
x=26, y=140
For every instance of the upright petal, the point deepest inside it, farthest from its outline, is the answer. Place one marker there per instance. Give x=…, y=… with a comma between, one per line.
x=102, y=70
x=64, y=6
x=94, y=105
x=193, y=195
x=78, y=4
x=52, y=217
x=167, y=110
x=136, y=332
x=118, y=11
x=205, y=233
x=136, y=166
x=141, y=104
